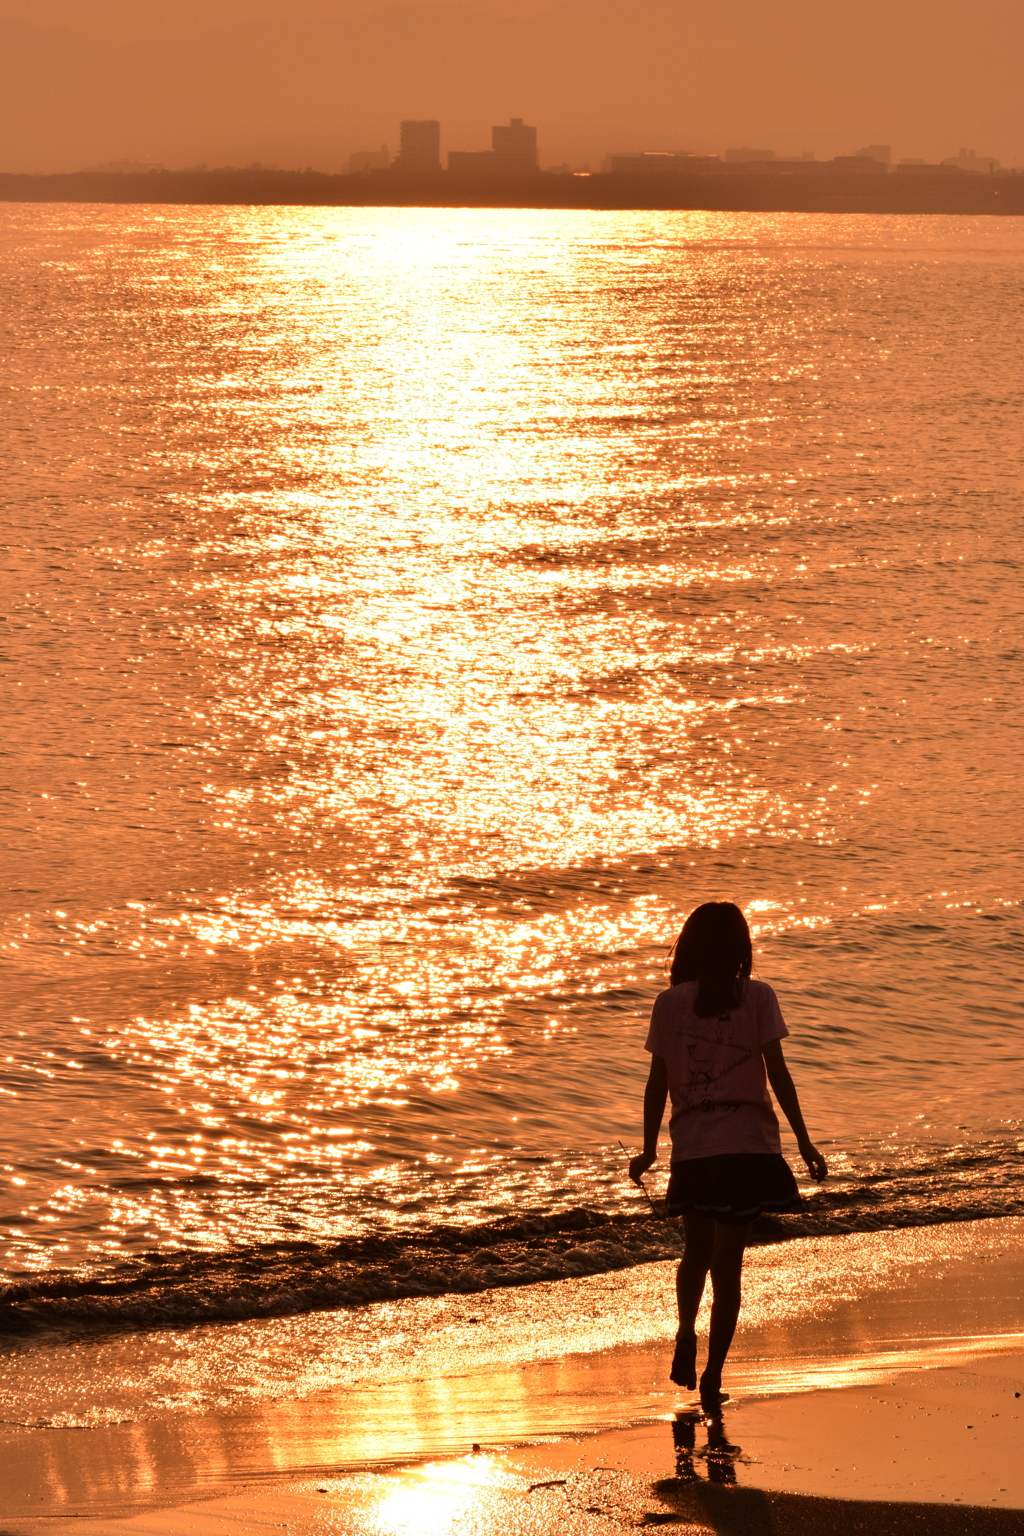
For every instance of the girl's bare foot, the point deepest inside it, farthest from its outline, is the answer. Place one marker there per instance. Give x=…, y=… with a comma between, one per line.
x=684, y=1361
x=711, y=1395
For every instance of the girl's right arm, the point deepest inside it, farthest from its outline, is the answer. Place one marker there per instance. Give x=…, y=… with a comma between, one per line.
x=655, y=1095
x=784, y=1090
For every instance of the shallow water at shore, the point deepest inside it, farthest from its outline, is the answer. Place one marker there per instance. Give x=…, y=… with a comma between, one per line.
x=817, y=1312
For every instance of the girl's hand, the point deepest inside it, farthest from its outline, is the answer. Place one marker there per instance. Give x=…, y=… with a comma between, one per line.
x=638, y=1166
x=816, y=1165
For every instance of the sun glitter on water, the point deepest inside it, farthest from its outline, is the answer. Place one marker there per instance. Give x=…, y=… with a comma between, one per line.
x=429, y=1499
x=479, y=590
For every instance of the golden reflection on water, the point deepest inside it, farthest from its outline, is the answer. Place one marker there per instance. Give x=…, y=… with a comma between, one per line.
x=486, y=590
x=429, y=1498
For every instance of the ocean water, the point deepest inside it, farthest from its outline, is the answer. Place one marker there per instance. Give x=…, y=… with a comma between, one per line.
x=409, y=616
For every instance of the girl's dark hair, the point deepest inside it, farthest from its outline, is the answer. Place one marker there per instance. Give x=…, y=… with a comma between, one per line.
x=714, y=950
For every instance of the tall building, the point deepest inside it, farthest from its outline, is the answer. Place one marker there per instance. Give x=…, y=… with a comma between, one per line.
x=515, y=147
x=420, y=146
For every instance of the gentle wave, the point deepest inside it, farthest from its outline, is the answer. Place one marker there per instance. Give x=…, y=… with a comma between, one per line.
x=283, y=1279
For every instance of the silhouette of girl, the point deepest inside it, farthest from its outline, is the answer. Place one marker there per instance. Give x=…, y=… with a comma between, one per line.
x=715, y=1044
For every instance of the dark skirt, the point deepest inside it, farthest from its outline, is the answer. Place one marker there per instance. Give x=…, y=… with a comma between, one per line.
x=733, y=1187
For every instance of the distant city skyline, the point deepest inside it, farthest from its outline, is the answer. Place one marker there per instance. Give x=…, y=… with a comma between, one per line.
x=514, y=149
x=308, y=82
x=482, y=162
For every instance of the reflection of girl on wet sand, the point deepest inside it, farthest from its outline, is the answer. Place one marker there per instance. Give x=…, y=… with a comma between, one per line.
x=715, y=1043
x=719, y=1455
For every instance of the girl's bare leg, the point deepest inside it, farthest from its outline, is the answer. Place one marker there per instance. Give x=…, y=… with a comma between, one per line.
x=691, y=1279
x=726, y=1286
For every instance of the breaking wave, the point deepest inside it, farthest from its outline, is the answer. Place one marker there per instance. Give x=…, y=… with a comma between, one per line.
x=287, y=1278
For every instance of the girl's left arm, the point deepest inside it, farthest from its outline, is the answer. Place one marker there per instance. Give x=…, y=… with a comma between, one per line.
x=784, y=1090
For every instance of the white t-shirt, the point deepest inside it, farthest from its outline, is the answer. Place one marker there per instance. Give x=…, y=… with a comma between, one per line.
x=716, y=1074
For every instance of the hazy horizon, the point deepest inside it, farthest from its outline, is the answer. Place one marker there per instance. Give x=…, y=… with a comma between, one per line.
x=227, y=83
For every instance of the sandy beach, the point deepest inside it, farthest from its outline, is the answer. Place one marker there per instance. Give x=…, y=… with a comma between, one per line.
x=893, y=1393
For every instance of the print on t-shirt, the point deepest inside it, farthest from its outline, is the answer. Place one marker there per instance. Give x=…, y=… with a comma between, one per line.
x=711, y=1059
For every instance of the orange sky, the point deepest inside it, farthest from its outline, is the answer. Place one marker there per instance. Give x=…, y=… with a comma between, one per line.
x=304, y=82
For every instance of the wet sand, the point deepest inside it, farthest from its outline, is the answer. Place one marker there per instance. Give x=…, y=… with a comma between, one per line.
x=892, y=1385
x=936, y=1451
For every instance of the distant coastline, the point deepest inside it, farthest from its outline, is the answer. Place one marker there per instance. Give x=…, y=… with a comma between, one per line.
x=938, y=191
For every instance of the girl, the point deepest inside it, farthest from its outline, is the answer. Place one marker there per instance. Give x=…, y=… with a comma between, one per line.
x=715, y=1038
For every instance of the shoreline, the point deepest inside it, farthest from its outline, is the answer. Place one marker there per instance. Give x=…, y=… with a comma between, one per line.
x=120, y=1436
x=288, y=1277
x=935, y=191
